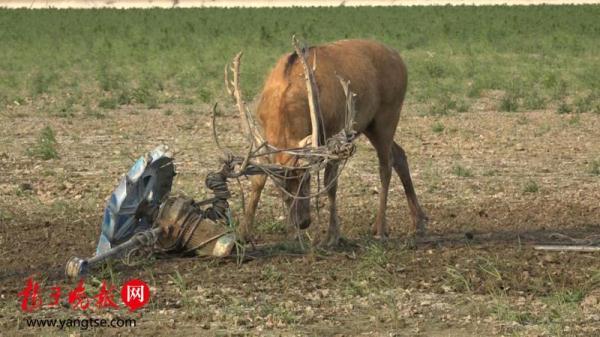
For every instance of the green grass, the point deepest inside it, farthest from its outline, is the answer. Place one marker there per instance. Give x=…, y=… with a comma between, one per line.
x=461, y=171
x=588, y=103
x=437, y=127
x=45, y=146
x=564, y=108
x=531, y=187
x=595, y=168
x=509, y=102
x=537, y=56
x=272, y=226
x=375, y=255
x=457, y=280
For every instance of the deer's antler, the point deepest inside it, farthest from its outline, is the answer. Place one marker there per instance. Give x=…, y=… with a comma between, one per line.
x=233, y=88
x=317, y=137
x=350, y=107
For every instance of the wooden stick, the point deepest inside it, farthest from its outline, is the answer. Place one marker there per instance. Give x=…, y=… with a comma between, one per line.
x=567, y=248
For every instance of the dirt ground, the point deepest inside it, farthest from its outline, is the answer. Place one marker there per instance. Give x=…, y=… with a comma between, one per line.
x=492, y=183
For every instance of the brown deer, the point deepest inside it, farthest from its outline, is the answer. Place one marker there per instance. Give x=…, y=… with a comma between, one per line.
x=378, y=76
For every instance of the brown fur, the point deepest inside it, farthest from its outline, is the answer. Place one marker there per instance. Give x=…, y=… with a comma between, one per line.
x=378, y=76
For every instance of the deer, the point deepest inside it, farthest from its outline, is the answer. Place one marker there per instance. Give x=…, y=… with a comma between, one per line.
x=286, y=114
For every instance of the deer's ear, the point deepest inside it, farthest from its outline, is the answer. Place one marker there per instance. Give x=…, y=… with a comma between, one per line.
x=306, y=141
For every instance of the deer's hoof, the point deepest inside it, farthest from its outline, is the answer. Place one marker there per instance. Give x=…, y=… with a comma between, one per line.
x=333, y=241
x=421, y=226
x=380, y=232
x=245, y=237
x=381, y=237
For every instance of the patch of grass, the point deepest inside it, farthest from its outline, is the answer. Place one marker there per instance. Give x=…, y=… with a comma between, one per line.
x=109, y=103
x=6, y=216
x=271, y=274
x=461, y=171
x=375, y=255
x=168, y=112
x=522, y=120
x=356, y=287
x=179, y=282
x=124, y=97
x=587, y=103
x=433, y=176
x=205, y=95
x=491, y=276
x=65, y=109
x=110, y=80
x=490, y=173
x=292, y=247
x=574, y=120
x=595, y=168
x=462, y=106
x=566, y=296
x=560, y=90
x=531, y=187
x=45, y=147
x=187, y=101
x=564, y=108
x=443, y=106
x=145, y=95
x=107, y=272
x=457, y=280
x=437, y=127
x=534, y=101
x=542, y=130
x=41, y=82
x=435, y=68
x=509, y=102
x=94, y=113
x=280, y=313
x=152, y=103
x=272, y=227
x=465, y=51
x=504, y=311
x=190, y=111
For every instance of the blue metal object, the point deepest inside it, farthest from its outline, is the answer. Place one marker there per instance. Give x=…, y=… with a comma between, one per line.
x=139, y=192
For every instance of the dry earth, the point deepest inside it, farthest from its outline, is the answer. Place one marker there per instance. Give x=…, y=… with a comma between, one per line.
x=493, y=184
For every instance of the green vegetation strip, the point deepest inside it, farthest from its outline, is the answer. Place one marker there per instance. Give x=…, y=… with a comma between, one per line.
x=525, y=58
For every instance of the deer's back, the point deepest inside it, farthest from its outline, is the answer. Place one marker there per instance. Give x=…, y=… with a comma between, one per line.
x=376, y=73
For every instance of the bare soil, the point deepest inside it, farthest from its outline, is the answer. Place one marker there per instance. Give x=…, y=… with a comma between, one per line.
x=494, y=184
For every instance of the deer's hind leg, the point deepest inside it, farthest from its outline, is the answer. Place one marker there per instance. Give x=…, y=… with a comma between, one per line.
x=382, y=141
x=400, y=163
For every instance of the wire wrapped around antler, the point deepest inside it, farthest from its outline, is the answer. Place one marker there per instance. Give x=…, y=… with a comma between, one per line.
x=338, y=147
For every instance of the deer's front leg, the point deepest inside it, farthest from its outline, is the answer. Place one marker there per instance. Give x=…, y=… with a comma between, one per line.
x=247, y=226
x=333, y=231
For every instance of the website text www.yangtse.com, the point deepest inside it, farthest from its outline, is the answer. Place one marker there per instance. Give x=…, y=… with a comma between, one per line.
x=82, y=323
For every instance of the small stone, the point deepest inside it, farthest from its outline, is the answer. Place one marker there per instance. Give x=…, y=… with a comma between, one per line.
x=26, y=187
